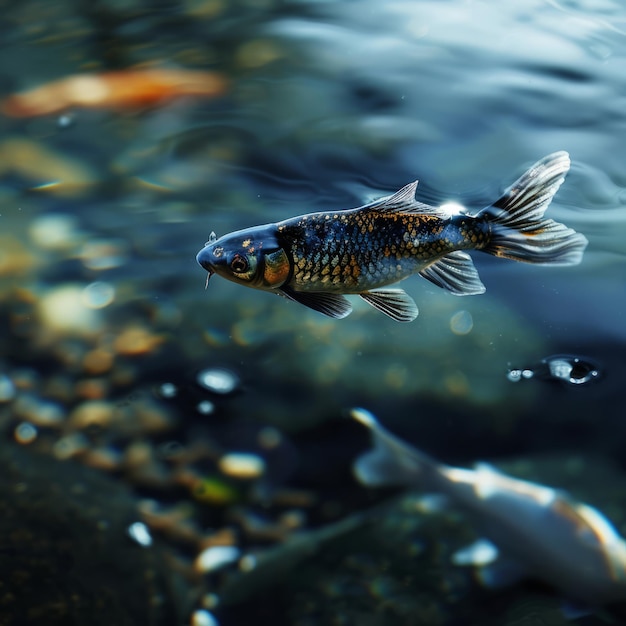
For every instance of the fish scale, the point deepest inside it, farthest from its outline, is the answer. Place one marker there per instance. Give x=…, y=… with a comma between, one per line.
x=315, y=259
x=352, y=251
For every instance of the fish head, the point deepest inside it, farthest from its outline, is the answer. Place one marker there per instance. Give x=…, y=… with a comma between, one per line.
x=252, y=257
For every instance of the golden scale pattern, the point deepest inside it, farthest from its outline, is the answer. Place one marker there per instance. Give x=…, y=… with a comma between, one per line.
x=356, y=251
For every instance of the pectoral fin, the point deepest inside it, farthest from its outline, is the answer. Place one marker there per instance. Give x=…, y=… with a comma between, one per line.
x=456, y=273
x=330, y=304
x=395, y=303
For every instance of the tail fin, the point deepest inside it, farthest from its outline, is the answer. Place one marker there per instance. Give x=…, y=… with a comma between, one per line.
x=392, y=462
x=519, y=230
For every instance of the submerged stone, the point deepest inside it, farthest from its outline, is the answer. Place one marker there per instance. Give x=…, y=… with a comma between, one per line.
x=65, y=553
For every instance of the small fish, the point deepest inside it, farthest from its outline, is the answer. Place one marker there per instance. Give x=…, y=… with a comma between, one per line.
x=314, y=259
x=531, y=530
x=123, y=89
x=570, y=370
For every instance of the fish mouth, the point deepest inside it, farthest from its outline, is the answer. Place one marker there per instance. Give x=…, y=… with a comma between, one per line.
x=202, y=260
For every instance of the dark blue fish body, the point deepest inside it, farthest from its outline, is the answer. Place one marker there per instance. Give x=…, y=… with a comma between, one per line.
x=355, y=251
x=316, y=258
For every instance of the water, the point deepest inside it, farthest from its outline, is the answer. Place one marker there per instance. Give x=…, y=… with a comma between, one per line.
x=328, y=105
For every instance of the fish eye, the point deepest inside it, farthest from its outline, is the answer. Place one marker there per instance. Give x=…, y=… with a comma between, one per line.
x=239, y=264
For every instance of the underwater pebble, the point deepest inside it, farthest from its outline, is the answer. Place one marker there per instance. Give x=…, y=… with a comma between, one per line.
x=98, y=295
x=91, y=389
x=55, y=231
x=63, y=310
x=7, y=389
x=218, y=380
x=92, y=413
x=140, y=533
x=97, y=362
x=104, y=254
x=15, y=257
x=202, y=617
x=173, y=522
x=242, y=465
x=25, y=433
x=168, y=390
x=209, y=490
x=150, y=415
x=106, y=459
x=226, y=536
x=136, y=340
x=206, y=407
x=481, y=552
x=215, y=558
x=70, y=446
x=43, y=413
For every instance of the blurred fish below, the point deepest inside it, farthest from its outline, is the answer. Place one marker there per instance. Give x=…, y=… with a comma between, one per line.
x=531, y=530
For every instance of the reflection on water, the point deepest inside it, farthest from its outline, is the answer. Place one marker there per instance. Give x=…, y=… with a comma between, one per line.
x=115, y=357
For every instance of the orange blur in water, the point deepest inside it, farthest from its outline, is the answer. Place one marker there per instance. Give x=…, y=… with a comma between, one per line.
x=117, y=90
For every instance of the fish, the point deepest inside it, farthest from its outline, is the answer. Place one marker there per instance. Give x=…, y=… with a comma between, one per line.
x=318, y=258
x=528, y=530
x=122, y=89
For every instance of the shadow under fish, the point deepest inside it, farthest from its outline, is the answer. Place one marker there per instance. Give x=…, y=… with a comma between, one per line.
x=318, y=258
x=530, y=530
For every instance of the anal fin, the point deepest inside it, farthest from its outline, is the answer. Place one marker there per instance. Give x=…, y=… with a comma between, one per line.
x=395, y=303
x=331, y=304
x=455, y=273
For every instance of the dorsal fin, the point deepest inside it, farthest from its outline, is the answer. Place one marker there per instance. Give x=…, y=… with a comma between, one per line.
x=403, y=201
